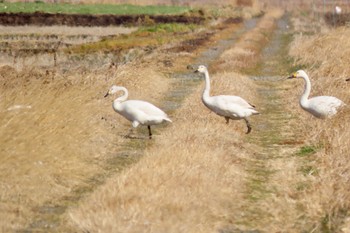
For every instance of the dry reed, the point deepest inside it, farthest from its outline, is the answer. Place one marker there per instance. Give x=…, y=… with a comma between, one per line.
x=64, y=138
x=327, y=57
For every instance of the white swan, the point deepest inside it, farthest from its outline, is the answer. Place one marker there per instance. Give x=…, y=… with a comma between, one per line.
x=137, y=111
x=320, y=106
x=230, y=107
x=337, y=10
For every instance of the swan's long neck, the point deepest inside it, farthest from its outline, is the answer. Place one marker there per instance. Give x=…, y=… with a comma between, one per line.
x=120, y=99
x=307, y=90
x=207, y=86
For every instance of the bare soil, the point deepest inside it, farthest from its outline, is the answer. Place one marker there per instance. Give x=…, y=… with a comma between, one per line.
x=47, y=19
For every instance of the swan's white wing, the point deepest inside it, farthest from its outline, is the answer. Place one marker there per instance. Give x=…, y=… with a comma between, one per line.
x=143, y=111
x=145, y=107
x=228, y=100
x=324, y=105
x=230, y=106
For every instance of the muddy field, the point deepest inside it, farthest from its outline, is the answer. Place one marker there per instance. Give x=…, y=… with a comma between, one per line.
x=46, y=19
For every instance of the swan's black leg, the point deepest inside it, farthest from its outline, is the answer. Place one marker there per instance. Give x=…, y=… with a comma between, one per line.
x=149, y=132
x=248, y=126
x=227, y=120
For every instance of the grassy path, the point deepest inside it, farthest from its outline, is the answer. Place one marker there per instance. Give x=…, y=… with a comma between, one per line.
x=274, y=138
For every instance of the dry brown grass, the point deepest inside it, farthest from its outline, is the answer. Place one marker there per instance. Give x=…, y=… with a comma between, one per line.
x=61, y=141
x=187, y=181
x=327, y=57
x=191, y=179
x=246, y=53
x=150, y=2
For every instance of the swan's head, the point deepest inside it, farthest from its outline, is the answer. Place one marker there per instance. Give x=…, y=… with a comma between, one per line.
x=201, y=69
x=298, y=74
x=114, y=89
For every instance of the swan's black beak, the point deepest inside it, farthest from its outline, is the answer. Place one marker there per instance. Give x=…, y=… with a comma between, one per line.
x=106, y=94
x=196, y=71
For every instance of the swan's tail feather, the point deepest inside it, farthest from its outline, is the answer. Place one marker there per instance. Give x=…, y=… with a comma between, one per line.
x=255, y=112
x=167, y=119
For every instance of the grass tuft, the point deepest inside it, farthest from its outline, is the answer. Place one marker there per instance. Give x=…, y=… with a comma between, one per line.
x=154, y=35
x=122, y=9
x=306, y=151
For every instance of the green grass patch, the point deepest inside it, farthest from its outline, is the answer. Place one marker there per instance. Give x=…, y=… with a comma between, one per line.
x=306, y=154
x=307, y=151
x=154, y=35
x=309, y=170
x=168, y=28
x=125, y=9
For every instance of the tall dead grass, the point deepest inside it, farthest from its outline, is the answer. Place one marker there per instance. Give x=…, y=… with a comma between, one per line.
x=63, y=140
x=187, y=181
x=190, y=179
x=57, y=132
x=327, y=58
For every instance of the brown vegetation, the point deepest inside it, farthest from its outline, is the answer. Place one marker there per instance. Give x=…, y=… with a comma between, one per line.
x=55, y=138
x=336, y=20
x=327, y=194
x=56, y=144
x=148, y=2
x=192, y=179
x=245, y=54
x=187, y=179
x=59, y=137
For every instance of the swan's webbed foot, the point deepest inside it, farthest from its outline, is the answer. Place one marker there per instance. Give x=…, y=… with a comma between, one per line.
x=227, y=120
x=248, y=126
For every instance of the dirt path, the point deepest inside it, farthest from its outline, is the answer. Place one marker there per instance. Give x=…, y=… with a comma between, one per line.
x=274, y=138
